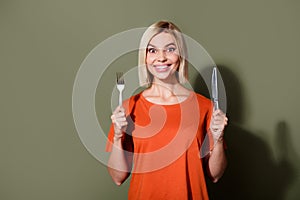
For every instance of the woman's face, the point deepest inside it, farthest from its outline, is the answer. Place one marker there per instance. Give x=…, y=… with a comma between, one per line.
x=162, y=58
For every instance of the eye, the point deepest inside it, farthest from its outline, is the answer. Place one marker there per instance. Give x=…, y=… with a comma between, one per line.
x=171, y=49
x=151, y=50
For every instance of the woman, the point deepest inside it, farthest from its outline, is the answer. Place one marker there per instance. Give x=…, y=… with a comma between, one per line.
x=157, y=134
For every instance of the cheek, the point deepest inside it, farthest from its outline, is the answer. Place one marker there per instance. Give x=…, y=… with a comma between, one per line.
x=149, y=59
x=174, y=59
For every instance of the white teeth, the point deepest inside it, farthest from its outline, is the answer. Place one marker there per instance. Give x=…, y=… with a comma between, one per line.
x=162, y=67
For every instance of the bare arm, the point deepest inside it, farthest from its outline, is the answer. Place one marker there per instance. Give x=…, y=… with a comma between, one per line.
x=217, y=161
x=120, y=161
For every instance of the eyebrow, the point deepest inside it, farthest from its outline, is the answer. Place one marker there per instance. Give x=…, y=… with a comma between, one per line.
x=172, y=43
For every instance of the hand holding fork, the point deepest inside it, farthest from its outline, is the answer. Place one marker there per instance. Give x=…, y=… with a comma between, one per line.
x=118, y=117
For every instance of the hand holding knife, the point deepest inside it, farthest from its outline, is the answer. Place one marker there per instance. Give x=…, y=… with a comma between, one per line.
x=218, y=120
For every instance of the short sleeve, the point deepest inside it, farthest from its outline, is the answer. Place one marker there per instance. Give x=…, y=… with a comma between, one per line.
x=110, y=137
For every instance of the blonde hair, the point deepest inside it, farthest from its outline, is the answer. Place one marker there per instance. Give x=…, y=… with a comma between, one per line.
x=145, y=77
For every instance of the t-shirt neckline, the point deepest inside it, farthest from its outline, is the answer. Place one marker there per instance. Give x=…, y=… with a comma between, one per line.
x=168, y=105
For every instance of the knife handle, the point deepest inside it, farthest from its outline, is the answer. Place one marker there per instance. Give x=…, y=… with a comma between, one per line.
x=216, y=105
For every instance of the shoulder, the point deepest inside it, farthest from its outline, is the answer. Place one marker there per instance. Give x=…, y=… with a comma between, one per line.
x=133, y=98
x=132, y=101
x=203, y=101
x=202, y=98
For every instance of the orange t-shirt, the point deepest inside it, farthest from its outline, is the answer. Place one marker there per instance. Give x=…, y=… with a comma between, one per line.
x=166, y=142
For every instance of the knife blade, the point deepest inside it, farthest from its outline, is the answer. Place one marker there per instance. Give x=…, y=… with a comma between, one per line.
x=214, y=88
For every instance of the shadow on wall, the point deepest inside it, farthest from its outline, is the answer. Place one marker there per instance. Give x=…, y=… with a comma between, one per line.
x=252, y=173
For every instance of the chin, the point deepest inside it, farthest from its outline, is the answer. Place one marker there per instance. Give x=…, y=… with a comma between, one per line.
x=165, y=77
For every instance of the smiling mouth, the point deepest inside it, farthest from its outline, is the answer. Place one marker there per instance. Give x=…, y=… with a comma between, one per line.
x=162, y=68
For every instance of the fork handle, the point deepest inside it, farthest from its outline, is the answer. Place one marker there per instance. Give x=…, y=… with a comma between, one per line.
x=120, y=98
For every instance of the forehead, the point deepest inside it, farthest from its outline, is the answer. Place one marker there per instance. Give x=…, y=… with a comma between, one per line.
x=162, y=39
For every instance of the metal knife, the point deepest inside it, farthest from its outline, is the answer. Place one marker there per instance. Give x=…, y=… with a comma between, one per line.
x=205, y=147
x=214, y=88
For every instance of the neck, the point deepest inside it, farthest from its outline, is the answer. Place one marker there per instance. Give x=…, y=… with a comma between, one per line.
x=163, y=92
x=164, y=89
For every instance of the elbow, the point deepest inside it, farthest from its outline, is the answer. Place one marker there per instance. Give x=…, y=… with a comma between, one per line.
x=216, y=174
x=118, y=182
x=215, y=179
x=118, y=177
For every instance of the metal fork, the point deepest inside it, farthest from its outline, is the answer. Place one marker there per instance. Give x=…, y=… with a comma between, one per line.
x=120, y=86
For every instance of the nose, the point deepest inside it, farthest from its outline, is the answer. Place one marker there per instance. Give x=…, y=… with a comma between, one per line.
x=161, y=57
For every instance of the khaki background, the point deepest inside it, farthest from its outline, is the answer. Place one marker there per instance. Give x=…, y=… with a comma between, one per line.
x=42, y=44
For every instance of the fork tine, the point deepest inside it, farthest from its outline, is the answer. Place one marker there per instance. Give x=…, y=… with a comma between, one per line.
x=120, y=86
x=120, y=78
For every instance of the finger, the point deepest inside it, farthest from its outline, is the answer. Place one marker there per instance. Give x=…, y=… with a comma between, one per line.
x=217, y=126
x=220, y=116
x=118, y=109
x=118, y=127
x=121, y=120
x=119, y=115
x=113, y=118
x=224, y=120
x=219, y=123
x=121, y=108
x=217, y=112
x=123, y=124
